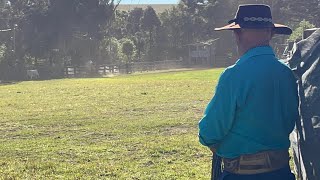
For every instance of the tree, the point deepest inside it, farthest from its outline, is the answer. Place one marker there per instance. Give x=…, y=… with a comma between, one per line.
x=297, y=33
x=193, y=21
x=77, y=22
x=172, y=21
x=139, y=42
x=297, y=10
x=150, y=21
x=128, y=49
x=291, y=12
x=134, y=20
x=118, y=26
x=42, y=29
x=111, y=50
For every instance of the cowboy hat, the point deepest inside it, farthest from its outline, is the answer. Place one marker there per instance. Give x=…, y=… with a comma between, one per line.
x=255, y=16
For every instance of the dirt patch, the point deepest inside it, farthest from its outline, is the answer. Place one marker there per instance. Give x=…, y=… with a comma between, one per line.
x=174, y=130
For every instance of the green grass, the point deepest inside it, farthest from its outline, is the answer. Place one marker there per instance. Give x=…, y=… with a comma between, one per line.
x=125, y=127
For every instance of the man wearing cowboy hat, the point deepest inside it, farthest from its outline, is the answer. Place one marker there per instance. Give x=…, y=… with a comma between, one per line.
x=255, y=105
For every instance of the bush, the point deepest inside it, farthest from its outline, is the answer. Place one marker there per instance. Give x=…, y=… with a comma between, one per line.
x=297, y=33
x=128, y=49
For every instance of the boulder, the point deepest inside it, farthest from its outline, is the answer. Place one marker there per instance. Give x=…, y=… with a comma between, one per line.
x=305, y=139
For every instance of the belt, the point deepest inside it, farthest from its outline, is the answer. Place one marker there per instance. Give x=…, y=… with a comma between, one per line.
x=261, y=162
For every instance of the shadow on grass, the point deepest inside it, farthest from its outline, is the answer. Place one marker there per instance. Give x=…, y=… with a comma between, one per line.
x=95, y=76
x=7, y=83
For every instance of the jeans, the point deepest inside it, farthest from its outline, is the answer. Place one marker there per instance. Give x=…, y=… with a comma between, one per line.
x=281, y=174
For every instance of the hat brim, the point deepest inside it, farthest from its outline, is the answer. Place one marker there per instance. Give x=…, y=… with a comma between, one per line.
x=278, y=28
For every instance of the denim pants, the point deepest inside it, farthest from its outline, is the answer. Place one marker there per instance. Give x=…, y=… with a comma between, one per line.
x=281, y=174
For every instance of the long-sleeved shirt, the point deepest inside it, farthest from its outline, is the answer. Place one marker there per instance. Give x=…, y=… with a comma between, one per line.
x=254, y=108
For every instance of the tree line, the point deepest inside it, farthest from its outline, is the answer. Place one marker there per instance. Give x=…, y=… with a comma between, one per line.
x=52, y=34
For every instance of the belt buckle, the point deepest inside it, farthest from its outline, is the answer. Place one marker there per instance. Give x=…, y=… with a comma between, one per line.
x=232, y=165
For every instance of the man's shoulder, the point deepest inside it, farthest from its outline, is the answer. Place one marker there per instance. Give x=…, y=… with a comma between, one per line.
x=228, y=74
x=284, y=67
x=229, y=70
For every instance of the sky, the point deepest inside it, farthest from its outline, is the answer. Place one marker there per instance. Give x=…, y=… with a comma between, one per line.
x=149, y=1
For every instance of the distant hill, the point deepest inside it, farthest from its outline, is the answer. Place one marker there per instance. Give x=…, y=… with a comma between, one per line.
x=159, y=8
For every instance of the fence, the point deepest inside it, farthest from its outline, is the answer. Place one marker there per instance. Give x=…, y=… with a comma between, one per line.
x=108, y=69
x=82, y=71
x=157, y=65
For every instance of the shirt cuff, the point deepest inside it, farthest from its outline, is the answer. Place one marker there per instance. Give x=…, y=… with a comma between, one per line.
x=210, y=145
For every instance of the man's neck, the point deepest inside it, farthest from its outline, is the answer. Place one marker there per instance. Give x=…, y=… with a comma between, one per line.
x=245, y=48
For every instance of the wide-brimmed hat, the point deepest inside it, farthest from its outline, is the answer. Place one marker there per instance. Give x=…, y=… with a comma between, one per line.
x=255, y=16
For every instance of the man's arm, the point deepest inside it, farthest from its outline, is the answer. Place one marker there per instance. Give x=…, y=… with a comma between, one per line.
x=219, y=114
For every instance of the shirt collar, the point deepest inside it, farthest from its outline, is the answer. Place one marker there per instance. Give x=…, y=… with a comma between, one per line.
x=257, y=51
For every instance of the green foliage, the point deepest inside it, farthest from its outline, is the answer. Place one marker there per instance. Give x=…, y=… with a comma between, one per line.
x=128, y=48
x=111, y=50
x=139, y=41
x=69, y=27
x=150, y=21
x=76, y=31
x=118, y=27
x=193, y=21
x=134, y=20
x=297, y=10
x=173, y=25
x=297, y=33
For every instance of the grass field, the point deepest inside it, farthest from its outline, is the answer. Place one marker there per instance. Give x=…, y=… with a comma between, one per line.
x=125, y=127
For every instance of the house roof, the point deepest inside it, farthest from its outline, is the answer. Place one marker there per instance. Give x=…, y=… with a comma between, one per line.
x=209, y=42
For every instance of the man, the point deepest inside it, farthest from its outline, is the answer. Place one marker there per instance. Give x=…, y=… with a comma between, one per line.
x=255, y=105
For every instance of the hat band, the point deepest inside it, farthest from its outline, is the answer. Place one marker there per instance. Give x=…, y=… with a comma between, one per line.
x=254, y=19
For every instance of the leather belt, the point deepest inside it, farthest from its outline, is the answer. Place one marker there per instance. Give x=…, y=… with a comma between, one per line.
x=261, y=162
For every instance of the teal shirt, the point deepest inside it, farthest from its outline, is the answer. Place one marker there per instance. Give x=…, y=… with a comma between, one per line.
x=254, y=108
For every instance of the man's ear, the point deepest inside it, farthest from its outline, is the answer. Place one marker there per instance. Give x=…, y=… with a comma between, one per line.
x=237, y=34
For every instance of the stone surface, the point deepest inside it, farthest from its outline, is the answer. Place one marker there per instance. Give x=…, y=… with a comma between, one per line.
x=306, y=138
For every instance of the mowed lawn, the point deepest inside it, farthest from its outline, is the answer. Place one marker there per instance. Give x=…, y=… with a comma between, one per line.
x=125, y=127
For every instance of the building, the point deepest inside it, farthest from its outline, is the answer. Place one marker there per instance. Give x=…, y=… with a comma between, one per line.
x=203, y=53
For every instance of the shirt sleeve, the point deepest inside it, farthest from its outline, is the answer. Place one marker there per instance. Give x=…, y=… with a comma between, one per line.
x=219, y=114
